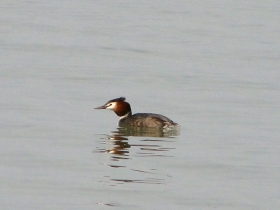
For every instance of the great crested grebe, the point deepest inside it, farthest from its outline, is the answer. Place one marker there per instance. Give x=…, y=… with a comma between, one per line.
x=147, y=120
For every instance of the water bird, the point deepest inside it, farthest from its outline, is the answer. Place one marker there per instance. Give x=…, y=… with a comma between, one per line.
x=145, y=120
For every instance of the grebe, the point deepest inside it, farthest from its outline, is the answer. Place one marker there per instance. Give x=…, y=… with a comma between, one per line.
x=147, y=120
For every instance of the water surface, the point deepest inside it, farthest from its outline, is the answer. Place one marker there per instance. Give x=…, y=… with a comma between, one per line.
x=212, y=67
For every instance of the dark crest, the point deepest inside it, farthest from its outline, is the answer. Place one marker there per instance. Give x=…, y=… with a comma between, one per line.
x=117, y=99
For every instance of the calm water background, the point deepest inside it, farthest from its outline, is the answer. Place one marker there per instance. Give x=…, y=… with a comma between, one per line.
x=211, y=66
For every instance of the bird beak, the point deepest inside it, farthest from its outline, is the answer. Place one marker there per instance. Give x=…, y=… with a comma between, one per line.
x=101, y=107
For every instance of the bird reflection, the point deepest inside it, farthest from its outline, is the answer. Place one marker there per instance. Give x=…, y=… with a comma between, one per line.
x=125, y=144
x=148, y=132
x=120, y=147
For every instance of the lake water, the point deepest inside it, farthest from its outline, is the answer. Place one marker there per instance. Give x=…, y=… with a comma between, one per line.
x=213, y=67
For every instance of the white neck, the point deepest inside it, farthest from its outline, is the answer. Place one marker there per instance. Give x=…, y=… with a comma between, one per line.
x=126, y=115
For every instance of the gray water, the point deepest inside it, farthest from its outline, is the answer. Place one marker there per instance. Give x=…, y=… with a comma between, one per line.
x=212, y=67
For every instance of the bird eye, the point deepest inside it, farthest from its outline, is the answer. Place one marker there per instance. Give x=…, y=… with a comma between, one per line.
x=109, y=104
